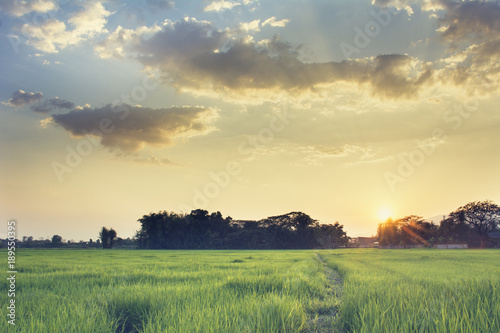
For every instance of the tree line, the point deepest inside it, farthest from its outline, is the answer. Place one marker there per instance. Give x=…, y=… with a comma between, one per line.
x=470, y=224
x=56, y=241
x=203, y=230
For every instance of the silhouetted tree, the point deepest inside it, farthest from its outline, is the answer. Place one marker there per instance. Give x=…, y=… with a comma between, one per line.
x=111, y=237
x=201, y=230
x=454, y=227
x=482, y=217
x=107, y=237
x=103, y=235
x=27, y=241
x=56, y=241
x=331, y=236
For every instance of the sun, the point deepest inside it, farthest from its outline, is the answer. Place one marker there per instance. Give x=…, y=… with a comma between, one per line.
x=384, y=213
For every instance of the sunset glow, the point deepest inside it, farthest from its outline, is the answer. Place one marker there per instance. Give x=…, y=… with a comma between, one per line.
x=384, y=213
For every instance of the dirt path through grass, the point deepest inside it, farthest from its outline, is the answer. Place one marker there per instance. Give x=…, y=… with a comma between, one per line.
x=325, y=320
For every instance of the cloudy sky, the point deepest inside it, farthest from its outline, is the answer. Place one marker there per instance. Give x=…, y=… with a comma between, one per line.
x=350, y=111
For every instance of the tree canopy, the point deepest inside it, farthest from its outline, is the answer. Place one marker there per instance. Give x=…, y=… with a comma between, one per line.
x=202, y=230
x=482, y=217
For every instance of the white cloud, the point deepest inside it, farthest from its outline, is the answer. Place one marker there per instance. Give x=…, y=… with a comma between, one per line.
x=219, y=6
x=222, y=5
x=406, y=5
x=90, y=21
x=432, y=5
x=273, y=22
x=22, y=7
x=54, y=35
x=47, y=37
x=250, y=26
x=45, y=122
x=118, y=44
x=398, y=4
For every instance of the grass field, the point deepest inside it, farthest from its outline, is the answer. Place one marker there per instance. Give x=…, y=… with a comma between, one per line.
x=419, y=290
x=167, y=291
x=416, y=290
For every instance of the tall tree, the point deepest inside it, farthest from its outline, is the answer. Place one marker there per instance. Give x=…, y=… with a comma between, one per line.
x=103, y=235
x=107, y=237
x=482, y=216
x=111, y=237
x=56, y=241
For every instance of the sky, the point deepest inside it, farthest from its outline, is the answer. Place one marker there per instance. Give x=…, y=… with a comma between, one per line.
x=350, y=111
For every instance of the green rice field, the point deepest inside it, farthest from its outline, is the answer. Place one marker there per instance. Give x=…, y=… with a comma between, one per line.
x=417, y=290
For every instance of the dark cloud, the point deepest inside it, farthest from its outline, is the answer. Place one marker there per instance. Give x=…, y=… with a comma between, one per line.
x=472, y=30
x=470, y=21
x=392, y=76
x=21, y=98
x=467, y=20
x=193, y=55
x=130, y=128
x=52, y=104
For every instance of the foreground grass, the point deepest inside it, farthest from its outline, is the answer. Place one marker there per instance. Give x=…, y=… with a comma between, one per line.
x=167, y=291
x=418, y=290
